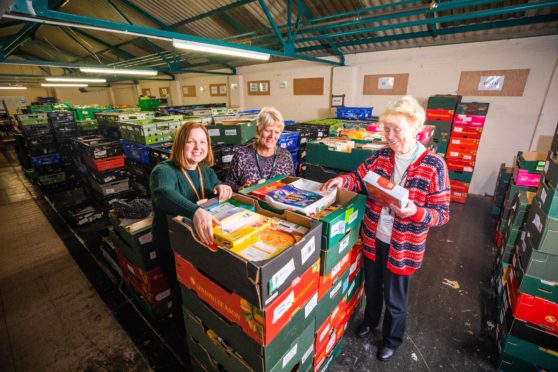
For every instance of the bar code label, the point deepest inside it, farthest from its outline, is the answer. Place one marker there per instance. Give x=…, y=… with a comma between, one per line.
x=213, y=132
x=280, y=276
x=290, y=355
x=230, y=132
x=283, y=307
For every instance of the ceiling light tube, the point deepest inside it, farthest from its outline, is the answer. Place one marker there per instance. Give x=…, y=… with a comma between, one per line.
x=121, y=71
x=218, y=49
x=14, y=88
x=75, y=80
x=63, y=85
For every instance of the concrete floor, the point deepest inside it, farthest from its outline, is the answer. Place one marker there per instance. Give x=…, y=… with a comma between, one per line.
x=52, y=318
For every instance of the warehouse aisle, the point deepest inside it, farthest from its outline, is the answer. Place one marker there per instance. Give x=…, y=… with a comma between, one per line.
x=451, y=308
x=50, y=316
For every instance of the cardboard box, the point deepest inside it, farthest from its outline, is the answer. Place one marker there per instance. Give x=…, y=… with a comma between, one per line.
x=531, y=161
x=320, y=154
x=469, y=121
x=330, y=257
x=327, y=280
x=257, y=282
x=535, y=271
x=137, y=238
x=324, y=366
x=520, y=208
x=256, y=355
x=472, y=108
x=261, y=324
x=321, y=174
x=467, y=132
x=327, y=333
x=385, y=191
x=465, y=177
x=522, y=177
x=356, y=260
x=294, y=352
x=440, y=114
x=461, y=155
x=232, y=132
x=458, y=196
x=551, y=170
x=446, y=101
x=460, y=165
x=465, y=143
x=513, y=364
x=548, y=199
x=333, y=296
x=442, y=131
x=543, y=230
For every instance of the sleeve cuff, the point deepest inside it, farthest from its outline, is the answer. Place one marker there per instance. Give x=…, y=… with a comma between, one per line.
x=419, y=216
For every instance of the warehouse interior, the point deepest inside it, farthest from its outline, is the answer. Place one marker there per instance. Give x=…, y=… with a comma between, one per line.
x=63, y=306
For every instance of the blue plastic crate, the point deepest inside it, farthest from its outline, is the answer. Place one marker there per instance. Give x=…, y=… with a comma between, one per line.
x=137, y=152
x=44, y=160
x=289, y=122
x=288, y=140
x=354, y=113
x=247, y=112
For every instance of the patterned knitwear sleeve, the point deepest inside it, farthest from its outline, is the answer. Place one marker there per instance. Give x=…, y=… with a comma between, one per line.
x=353, y=181
x=284, y=164
x=435, y=211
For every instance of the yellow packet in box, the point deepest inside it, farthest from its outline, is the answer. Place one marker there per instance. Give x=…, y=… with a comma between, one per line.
x=238, y=228
x=271, y=241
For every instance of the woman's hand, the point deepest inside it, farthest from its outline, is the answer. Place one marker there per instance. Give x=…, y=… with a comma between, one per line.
x=248, y=183
x=203, y=224
x=332, y=183
x=224, y=192
x=406, y=212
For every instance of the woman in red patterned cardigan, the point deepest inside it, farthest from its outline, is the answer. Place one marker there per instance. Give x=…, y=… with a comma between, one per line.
x=394, y=238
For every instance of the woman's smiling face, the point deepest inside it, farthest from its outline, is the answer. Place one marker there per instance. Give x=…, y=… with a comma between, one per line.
x=400, y=133
x=196, y=147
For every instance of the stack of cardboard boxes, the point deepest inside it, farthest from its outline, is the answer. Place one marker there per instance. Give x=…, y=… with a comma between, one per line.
x=527, y=328
x=440, y=111
x=286, y=312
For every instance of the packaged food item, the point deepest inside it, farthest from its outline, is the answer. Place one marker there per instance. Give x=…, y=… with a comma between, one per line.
x=385, y=191
x=238, y=228
x=278, y=236
x=303, y=196
x=264, y=190
x=227, y=208
x=327, y=211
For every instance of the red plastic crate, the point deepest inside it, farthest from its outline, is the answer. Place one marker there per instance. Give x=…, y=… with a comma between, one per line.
x=440, y=114
x=101, y=165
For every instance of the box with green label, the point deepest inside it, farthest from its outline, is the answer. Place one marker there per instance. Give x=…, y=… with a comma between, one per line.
x=331, y=298
x=531, y=161
x=551, y=170
x=257, y=356
x=529, y=352
x=133, y=238
x=330, y=256
x=318, y=153
x=232, y=132
x=536, y=271
x=293, y=352
x=543, y=229
x=548, y=198
x=442, y=131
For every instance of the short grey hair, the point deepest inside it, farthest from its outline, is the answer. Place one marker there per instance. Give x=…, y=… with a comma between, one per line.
x=409, y=107
x=270, y=116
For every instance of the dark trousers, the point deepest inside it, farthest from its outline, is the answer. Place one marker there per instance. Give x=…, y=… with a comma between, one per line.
x=381, y=285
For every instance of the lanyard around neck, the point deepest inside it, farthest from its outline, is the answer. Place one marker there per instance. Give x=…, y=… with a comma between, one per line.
x=202, y=186
x=259, y=167
x=404, y=175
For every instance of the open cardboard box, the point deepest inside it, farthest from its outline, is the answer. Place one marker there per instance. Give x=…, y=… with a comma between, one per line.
x=257, y=282
x=232, y=132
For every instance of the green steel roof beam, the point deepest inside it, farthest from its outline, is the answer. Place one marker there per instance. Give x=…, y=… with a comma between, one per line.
x=232, y=22
x=422, y=10
x=74, y=38
x=28, y=30
x=74, y=20
x=304, y=10
x=444, y=31
x=211, y=13
x=116, y=50
x=48, y=47
x=423, y=22
x=145, y=14
x=278, y=35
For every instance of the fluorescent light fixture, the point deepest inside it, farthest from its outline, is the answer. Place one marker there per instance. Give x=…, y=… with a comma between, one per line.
x=75, y=80
x=120, y=71
x=13, y=88
x=63, y=85
x=217, y=49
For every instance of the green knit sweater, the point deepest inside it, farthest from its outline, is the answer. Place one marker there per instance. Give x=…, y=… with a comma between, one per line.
x=172, y=195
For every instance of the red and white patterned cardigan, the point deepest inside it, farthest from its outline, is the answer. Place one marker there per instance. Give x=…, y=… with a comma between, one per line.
x=428, y=184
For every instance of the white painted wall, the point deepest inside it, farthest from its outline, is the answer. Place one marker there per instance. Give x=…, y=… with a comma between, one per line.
x=125, y=95
x=93, y=95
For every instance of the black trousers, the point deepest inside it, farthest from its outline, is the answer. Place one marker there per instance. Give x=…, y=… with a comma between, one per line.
x=382, y=286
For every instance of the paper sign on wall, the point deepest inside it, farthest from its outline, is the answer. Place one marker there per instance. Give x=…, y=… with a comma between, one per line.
x=386, y=82
x=491, y=83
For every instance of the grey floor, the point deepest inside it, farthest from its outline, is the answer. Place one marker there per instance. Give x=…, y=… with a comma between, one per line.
x=52, y=319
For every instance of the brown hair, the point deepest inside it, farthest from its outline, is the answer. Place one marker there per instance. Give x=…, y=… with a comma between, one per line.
x=182, y=135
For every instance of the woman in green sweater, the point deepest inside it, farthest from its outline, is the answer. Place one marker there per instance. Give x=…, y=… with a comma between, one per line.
x=178, y=185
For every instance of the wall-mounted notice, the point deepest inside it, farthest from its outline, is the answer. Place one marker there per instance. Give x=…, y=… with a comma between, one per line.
x=385, y=85
x=505, y=83
x=259, y=88
x=386, y=82
x=491, y=82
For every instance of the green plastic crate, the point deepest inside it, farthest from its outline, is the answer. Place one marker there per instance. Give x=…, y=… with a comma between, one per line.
x=32, y=119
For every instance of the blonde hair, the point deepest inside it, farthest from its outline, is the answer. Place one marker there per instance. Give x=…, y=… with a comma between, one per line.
x=409, y=107
x=177, y=152
x=268, y=116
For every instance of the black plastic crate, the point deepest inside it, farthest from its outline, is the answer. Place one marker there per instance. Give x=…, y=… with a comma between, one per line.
x=140, y=185
x=100, y=148
x=223, y=154
x=159, y=154
x=87, y=213
x=109, y=176
x=137, y=168
x=41, y=148
x=308, y=132
x=59, y=116
x=110, y=132
x=65, y=132
x=35, y=130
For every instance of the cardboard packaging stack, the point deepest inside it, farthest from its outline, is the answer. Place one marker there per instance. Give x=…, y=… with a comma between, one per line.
x=464, y=141
x=341, y=284
x=131, y=249
x=502, y=185
x=440, y=111
x=527, y=329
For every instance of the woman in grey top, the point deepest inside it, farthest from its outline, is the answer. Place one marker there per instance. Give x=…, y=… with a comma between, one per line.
x=265, y=159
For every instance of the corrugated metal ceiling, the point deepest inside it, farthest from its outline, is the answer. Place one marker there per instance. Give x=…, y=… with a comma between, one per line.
x=319, y=28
